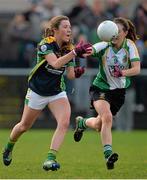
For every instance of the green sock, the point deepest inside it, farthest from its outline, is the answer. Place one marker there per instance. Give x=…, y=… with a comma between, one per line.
x=52, y=154
x=82, y=123
x=10, y=145
x=107, y=150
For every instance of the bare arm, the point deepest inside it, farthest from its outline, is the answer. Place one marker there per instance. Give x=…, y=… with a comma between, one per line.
x=59, y=62
x=80, y=49
x=134, y=70
x=70, y=72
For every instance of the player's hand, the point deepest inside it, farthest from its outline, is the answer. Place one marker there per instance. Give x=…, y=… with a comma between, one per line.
x=117, y=72
x=82, y=48
x=79, y=71
x=88, y=53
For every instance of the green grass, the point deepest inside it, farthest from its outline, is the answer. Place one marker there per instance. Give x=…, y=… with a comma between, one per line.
x=83, y=160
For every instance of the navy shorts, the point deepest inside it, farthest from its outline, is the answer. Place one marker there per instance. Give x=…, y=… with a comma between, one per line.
x=114, y=97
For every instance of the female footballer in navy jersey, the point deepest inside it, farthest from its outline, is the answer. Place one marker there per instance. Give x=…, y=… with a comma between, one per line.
x=46, y=87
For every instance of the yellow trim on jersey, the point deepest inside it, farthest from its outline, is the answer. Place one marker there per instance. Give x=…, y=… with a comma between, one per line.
x=35, y=69
x=127, y=54
x=50, y=39
x=135, y=48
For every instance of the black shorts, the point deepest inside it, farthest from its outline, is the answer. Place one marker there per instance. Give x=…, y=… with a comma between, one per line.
x=114, y=97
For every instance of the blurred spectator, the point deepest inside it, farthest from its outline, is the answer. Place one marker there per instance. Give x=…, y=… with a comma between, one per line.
x=34, y=9
x=81, y=5
x=40, y=11
x=49, y=9
x=15, y=42
x=140, y=21
x=91, y=18
x=115, y=9
x=34, y=16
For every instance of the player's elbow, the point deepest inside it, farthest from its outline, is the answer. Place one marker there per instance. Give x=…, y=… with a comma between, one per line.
x=70, y=77
x=137, y=70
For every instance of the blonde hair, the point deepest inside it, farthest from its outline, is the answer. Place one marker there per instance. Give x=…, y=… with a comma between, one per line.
x=127, y=26
x=54, y=24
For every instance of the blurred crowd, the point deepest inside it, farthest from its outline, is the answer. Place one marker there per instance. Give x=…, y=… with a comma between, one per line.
x=19, y=40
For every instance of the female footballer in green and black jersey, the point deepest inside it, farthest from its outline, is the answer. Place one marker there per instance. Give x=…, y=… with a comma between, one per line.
x=46, y=86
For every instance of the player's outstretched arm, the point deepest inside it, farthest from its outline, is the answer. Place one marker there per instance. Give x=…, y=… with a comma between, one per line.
x=79, y=50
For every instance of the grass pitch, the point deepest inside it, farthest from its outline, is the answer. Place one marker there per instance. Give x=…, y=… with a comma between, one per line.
x=83, y=160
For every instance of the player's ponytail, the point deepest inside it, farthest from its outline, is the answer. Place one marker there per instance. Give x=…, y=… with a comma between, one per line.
x=131, y=31
x=48, y=32
x=128, y=26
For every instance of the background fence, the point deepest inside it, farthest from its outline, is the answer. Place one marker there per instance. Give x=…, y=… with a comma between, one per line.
x=13, y=86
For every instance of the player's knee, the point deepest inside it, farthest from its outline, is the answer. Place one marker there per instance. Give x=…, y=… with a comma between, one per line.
x=98, y=124
x=64, y=123
x=23, y=128
x=107, y=118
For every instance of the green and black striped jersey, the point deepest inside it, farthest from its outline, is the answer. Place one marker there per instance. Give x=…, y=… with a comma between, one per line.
x=44, y=79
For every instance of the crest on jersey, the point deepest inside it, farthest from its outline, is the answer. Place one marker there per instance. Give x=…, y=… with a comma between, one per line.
x=43, y=48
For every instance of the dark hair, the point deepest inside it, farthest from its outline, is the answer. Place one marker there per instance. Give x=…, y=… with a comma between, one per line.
x=54, y=24
x=127, y=26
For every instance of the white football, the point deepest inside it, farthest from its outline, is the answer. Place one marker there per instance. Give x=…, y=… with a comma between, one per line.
x=107, y=30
